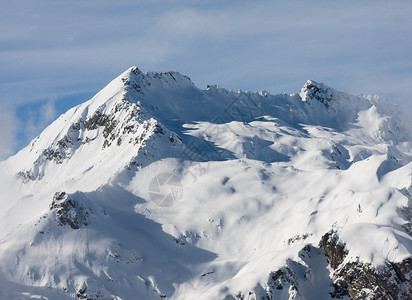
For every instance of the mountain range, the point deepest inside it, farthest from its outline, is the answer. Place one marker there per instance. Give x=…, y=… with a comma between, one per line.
x=156, y=189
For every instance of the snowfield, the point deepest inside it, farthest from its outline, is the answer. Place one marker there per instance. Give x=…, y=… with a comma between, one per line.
x=157, y=189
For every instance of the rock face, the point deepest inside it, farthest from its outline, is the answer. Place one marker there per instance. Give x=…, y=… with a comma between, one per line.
x=363, y=280
x=347, y=280
x=335, y=252
x=70, y=212
x=282, y=283
x=317, y=91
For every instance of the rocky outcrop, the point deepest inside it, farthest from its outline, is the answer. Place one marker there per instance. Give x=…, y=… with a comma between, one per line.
x=26, y=176
x=86, y=292
x=124, y=125
x=70, y=212
x=282, y=281
x=364, y=281
x=346, y=279
x=317, y=91
x=335, y=251
x=406, y=213
x=360, y=280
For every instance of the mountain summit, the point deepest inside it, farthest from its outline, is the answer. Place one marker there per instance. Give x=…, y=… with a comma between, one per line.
x=156, y=189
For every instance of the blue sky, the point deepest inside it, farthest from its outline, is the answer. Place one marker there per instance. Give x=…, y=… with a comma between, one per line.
x=57, y=54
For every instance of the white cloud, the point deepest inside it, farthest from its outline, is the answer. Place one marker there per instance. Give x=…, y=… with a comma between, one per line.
x=38, y=119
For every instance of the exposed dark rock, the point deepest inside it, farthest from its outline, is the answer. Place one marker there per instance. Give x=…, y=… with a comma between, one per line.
x=360, y=280
x=319, y=92
x=349, y=280
x=95, y=121
x=65, y=147
x=56, y=155
x=76, y=126
x=158, y=129
x=407, y=227
x=109, y=127
x=69, y=211
x=26, y=176
x=335, y=251
x=282, y=282
x=64, y=142
x=179, y=241
x=363, y=280
x=407, y=212
x=83, y=293
x=129, y=129
x=298, y=237
x=130, y=84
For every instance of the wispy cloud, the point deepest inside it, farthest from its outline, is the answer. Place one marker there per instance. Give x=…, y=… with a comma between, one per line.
x=37, y=120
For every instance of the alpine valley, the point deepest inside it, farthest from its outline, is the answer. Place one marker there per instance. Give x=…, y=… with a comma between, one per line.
x=156, y=189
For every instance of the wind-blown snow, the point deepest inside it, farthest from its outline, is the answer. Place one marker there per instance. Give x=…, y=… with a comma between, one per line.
x=259, y=176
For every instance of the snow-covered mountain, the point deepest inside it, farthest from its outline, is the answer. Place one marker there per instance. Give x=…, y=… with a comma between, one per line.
x=156, y=189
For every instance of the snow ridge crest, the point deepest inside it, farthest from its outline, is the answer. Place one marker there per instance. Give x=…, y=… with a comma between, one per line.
x=318, y=91
x=134, y=79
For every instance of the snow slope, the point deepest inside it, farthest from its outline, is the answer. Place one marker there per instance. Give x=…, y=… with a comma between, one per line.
x=157, y=189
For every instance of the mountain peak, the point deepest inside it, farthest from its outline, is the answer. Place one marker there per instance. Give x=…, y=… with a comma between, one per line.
x=135, y=80
x=318, y=91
